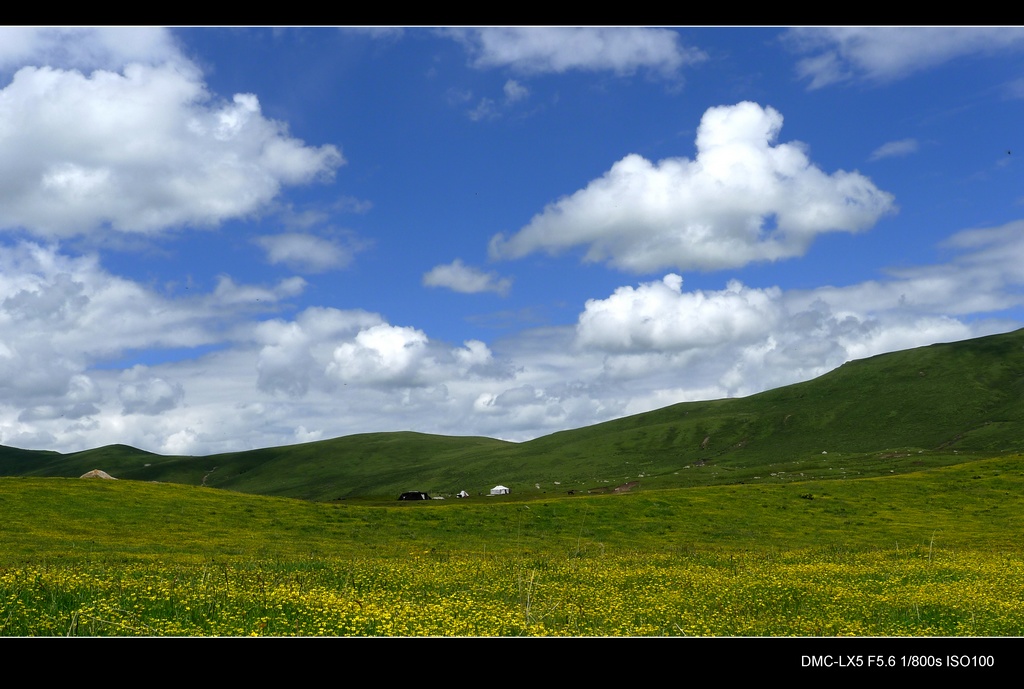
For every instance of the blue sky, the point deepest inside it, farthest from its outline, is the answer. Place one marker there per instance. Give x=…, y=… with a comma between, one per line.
x=218, y=239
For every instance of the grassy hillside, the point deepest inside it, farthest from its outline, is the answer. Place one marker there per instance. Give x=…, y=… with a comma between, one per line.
x=893, y=413
x=963, y=506
x=925, y=553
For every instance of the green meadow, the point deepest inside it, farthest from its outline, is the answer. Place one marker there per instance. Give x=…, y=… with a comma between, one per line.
x=882, y=499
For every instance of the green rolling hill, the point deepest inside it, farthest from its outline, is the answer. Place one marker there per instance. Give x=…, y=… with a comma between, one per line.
x=893, y=413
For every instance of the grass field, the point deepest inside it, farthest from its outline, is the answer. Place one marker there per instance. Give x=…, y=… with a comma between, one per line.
x=934, y=552
x=915, y=592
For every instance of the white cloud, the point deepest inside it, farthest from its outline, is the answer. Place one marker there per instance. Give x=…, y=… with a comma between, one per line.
x=148, y=395
x=324, y=349
x=741, y=340
x=229, y=293
x=142, y=150
x=388, y=355
x=659, y=316
x=489, y=109
x=380, y=354
x=76, y=306
x=466, y=279
x=484, y=110
x=533, y=50
x=294, y=354
x=304, y=436
x=305, y=252
x=894, y=149
x=988, y=276
x=86, y=48
x=640, y=348
x=475, y=355
x=883, y=54
x=514, y=91
x=351, y=204
x=62, y=315
x=665, y=344
x=742, y=199
x=327, y=372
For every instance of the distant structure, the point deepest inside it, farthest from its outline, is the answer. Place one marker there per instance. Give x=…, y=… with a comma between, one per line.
x=97, y=473
x=500, y=490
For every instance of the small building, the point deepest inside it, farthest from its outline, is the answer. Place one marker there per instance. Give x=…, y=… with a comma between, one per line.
x=499, y=490
x=414, y=495
x=462, y=494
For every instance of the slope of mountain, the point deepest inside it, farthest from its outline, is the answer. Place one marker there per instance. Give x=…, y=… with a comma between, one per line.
x=896, y=412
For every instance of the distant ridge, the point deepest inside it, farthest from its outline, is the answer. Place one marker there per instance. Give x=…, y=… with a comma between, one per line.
x=891, y=413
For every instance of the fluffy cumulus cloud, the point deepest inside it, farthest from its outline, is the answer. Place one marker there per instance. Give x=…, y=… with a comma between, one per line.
x=658, y=316
x=743, y=198
x=118, y=133
x=535, y=50
x=327, y=372
x=79, y=312
x=86, y=48
x=381, y=354
x=293, y=355
x=62, y=317
x=664, y=342
x=325, y=348
x=884, y=54
x=466, y=279
x=138, y=149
